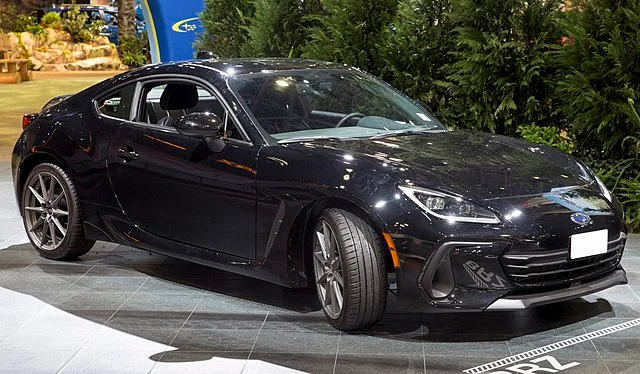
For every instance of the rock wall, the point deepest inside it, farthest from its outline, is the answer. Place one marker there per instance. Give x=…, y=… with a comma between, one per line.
x=54, y=51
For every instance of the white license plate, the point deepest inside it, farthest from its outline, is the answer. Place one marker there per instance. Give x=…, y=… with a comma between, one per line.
x=589, y=243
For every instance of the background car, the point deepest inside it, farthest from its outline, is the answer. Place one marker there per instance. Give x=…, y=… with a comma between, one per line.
x=305, y=173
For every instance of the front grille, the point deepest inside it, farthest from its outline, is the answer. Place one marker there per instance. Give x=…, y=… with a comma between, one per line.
x=533, y=266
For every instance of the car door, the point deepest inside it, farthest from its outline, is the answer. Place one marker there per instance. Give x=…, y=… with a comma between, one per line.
x=172, y=185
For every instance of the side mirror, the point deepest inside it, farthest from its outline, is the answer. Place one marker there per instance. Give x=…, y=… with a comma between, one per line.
x=202, y=125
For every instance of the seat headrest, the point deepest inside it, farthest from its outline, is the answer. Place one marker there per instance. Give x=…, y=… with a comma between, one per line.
x=178, y=96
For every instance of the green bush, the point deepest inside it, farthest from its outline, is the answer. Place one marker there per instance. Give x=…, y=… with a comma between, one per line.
x=351, y=32
x=51, y=19
x=24, y=23
x=500, y=76
x=599, y=70
x=551, y=136
x=278, y=27
x=74, y=22
x=225, y=23
x=417, y=47
x=131, y=51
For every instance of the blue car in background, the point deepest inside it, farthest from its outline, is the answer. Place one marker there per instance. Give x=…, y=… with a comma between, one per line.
x=106, y=14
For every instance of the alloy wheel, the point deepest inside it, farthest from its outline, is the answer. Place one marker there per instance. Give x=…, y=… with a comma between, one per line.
x=328, y=270
x=46, y=211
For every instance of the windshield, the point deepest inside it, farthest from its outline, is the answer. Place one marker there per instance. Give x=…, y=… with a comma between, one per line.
x=304, y=104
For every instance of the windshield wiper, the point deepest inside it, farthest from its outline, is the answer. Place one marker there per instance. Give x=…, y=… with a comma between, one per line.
x=404, y=132
x=312, y=138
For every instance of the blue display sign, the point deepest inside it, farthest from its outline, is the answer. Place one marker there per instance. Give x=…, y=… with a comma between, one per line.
x=172, y=27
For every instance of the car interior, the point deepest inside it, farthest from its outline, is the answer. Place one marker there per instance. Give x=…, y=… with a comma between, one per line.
x=162, y=104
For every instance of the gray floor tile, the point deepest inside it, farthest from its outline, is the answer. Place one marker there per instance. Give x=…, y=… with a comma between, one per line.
x=305, y=362
x=107, y=284
x=618, y=348
x=454, y=362
x=410, y=344
x=137, y=319
x=29, y=284
x=90, y=301
x=595, y=324
x=32, y=361
x=190, y=340
x=214, y=302
x=296, y=342
x=471, y=345
x=22, y=255
x=584, y=350
x=114, y=271
x=223, y=320
x=315, y=321
x=181, y=286
x=627, y=367
x=162, y=302
x=634, y=277
x=56, y=270
x=622, y=293
x=380, y=364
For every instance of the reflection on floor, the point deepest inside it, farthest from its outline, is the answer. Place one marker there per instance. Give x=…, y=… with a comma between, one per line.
x=123, y=310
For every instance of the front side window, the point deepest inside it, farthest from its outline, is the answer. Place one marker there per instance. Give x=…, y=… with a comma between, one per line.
x=118, y=104
x=328, y=103
x=163, y=103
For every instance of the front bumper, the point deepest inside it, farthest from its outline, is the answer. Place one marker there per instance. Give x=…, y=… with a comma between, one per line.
x=477, y=275
x=515, y=302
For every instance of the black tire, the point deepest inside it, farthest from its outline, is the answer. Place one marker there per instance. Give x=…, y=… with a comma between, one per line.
x=37, y=206
x=363, y=270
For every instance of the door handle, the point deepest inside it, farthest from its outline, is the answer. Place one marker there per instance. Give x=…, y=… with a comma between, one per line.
x=127, y=154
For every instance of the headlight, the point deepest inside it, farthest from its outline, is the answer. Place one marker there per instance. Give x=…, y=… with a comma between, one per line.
x=451, y=208
x=603, y=188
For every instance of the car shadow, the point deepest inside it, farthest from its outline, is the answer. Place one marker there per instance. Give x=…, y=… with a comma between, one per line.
x=294, y=311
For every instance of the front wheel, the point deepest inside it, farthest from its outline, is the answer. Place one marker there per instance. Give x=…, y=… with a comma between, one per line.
x=349, y=268
x=52, y=215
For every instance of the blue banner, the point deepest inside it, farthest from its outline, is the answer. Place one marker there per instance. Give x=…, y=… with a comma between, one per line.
x=172, y=27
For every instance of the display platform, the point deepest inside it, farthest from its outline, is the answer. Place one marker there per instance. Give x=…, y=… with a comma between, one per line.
x=119, y=309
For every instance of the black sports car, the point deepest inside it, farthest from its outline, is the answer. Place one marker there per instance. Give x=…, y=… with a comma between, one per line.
x=308, y=173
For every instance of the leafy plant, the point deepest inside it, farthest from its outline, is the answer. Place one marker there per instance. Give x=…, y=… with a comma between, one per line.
x=131, y=51
x=551, y=136
x=225, y=23
x=278, y=28
x=500, y=77
x=351, y=32
x=598, y=71
x=73, y=22
x=623, y=180
x=51, y=19
x=417, y=46
x=24, y=23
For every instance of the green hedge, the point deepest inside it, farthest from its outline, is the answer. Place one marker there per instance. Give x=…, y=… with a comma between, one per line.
x=529, y=68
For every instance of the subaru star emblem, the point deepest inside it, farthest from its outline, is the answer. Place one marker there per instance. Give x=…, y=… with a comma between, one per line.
x=580, y=218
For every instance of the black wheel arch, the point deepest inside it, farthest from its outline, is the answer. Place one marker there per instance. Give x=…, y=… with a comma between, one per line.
x=300, y=239
x=30, y=162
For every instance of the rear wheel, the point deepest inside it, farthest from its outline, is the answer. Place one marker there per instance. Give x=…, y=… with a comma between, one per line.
x=349, y=268
x=52, y=215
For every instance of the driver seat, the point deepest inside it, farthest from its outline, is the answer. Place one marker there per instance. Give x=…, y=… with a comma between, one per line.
x=177, y=98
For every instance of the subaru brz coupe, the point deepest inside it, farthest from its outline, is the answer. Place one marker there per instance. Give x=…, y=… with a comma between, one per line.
x=312, y=174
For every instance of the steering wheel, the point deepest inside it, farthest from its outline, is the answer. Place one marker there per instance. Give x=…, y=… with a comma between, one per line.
x=349, y=116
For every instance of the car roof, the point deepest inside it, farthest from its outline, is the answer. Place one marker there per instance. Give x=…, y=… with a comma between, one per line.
x=241, y=66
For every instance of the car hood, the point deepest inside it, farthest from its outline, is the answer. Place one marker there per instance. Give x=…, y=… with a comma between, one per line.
x=476, y=165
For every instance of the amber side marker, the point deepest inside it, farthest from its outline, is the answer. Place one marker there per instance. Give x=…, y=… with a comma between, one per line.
x=392, y=249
